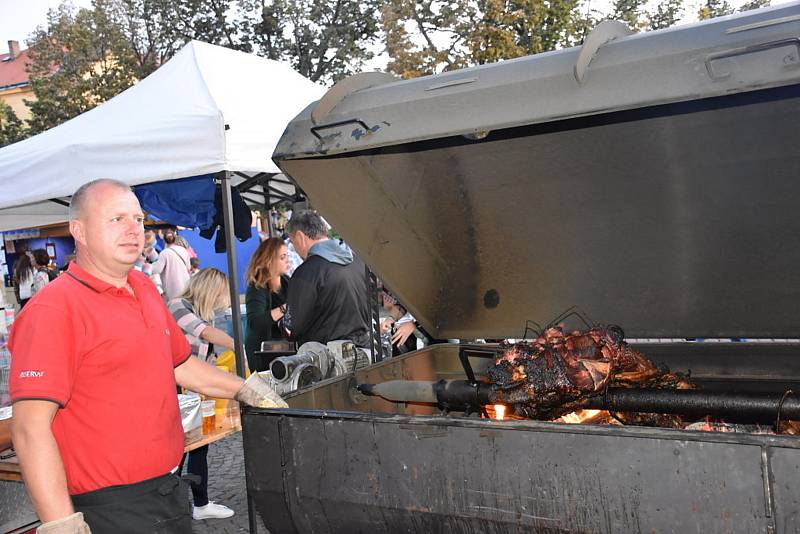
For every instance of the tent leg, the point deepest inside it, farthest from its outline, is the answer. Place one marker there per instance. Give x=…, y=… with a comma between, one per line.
x=227, y=208
x=233, y=279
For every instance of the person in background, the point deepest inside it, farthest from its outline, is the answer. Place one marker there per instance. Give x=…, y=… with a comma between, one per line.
x=180, y=240
x=96, y=425
x=400, y=328
x=23, y=279
x=173, y=265
x=41, y=261
x=265, y=298
x=194, y=263
x=294, y=258
x=206, y=294
x=328, y=298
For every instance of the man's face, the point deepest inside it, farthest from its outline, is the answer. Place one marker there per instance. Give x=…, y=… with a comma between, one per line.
x=301, y=243
x=169, y=236
x=110, y=231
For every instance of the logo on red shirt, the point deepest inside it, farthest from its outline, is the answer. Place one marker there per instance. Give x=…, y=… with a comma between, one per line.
x=31, y=374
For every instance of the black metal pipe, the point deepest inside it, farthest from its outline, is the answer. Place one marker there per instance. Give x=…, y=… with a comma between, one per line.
x=755, y=407
x=463, y=395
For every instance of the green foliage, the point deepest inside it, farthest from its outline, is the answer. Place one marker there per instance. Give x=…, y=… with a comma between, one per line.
x=714, y=8
x=11, y=128
x=324, y=40
x=754, y=4
x=667, y=14
x=78, y=61
x=406, y=21
x=431, y=36
x=632, y=13
x=83, y=57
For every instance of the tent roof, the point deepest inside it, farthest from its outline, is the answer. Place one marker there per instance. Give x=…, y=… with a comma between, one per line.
x=206, y=110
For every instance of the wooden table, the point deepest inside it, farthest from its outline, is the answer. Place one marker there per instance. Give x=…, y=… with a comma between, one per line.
x=230, y=424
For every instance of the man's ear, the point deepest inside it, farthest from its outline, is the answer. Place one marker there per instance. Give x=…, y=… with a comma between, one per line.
x=76, y=228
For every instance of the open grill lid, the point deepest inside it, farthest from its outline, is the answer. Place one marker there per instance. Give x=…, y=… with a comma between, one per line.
x=659, y=192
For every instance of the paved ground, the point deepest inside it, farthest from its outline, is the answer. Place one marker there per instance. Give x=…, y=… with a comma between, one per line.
x=226, y=486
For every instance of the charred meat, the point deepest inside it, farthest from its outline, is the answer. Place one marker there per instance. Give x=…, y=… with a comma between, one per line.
x=556, y=373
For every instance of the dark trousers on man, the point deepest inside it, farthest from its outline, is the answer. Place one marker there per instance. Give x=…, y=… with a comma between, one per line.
x=159, y=506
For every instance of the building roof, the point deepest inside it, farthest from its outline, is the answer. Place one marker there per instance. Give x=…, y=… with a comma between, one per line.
x=12, y=71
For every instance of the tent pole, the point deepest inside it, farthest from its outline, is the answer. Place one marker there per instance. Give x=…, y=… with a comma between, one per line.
x=233, y=278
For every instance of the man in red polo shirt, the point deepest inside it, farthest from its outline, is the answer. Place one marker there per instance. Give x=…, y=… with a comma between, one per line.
x=95, y=359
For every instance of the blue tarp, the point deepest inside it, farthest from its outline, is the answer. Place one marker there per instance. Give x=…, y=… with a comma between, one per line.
x=187, y=202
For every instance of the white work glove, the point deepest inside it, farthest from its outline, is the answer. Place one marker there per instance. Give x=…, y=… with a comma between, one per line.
x=257, y=392
x=72, y=524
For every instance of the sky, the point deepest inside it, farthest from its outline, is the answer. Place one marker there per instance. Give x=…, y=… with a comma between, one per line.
x=18, y=18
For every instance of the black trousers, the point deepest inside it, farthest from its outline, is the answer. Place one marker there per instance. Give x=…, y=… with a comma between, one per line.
x=156, y=506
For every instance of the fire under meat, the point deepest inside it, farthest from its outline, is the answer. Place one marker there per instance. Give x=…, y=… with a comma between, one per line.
x=554, y=374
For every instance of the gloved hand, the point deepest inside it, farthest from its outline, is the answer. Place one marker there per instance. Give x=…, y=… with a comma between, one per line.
x=257, y=392
x=72, y=524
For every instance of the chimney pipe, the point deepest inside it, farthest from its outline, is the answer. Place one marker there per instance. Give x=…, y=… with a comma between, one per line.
x=13, y=49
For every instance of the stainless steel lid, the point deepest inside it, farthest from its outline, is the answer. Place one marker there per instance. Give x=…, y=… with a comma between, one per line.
x=658, y=193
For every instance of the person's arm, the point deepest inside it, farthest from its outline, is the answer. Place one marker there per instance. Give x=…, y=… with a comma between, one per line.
x=40, y=459
x=206, y=379
x=218, y=337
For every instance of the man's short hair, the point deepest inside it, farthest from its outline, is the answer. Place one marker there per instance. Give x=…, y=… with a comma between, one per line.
x=309, y=222
x=76, y=203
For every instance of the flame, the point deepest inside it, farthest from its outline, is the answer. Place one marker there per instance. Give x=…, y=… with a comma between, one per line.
x=499, y=411
x=578, y=417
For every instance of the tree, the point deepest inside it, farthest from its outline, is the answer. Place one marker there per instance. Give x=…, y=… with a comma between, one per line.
x=632, y=13
x=11, y=127
x=753, y=4
x=714, y=8
x=78, y=61
x=156, y=29
x=432, y=43
x=149, y=30
x=430, y=36
x=324, y=40
x=83, y=57
x=667, y=14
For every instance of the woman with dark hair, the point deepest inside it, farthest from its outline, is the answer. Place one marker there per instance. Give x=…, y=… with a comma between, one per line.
x=23, y=279
x=265, y=299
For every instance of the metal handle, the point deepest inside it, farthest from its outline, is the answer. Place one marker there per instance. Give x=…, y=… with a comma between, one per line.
x=315, y=129
x=751, y=49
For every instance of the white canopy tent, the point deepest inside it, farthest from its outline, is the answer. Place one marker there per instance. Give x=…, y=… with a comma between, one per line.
x=208, y=109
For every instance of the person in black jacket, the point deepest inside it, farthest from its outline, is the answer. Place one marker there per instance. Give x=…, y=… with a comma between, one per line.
x=328, y=297
x=265, y=297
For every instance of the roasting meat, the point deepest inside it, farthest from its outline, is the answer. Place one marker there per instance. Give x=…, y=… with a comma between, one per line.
x=556, y=373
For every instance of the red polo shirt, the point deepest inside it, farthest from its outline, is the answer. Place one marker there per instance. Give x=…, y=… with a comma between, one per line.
x=107, y=358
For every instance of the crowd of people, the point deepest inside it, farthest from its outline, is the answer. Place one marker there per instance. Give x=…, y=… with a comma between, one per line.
x=123, y=288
